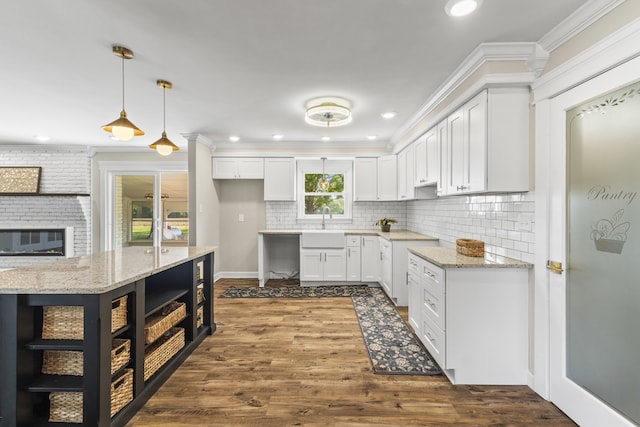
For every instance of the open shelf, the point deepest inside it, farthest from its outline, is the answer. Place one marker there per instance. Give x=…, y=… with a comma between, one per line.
x=156, y=300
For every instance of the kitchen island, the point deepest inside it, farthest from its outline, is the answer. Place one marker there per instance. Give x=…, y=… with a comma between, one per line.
x=138, y=282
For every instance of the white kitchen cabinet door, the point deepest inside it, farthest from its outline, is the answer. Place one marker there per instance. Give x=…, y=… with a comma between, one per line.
x=335, y=265
x=387, y=178
x=311, y=264
x=415, y=288
x=370, y=259
x=323, y=265
x=386, y=266
x=237, y=168
x=406, y=173
x=366, y=179
x=279, y=179
x=433, y=156
x=476, y=117
x=224, y=168
x=442, y=158
x=457, y=156
x=353, y=264
x=421, y=173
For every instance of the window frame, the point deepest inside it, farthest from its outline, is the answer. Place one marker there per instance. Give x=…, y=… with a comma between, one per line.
x=331, y=166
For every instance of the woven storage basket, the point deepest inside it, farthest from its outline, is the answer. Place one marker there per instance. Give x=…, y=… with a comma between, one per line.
x=199, y=316
x=200, y=293
x=63, y=362
x=66, y=322
x=470, y=247
x=161, y=351
x=158, y=323
x=67, y=407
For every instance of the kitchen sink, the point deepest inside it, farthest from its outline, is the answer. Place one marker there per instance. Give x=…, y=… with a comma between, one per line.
x=322, y=239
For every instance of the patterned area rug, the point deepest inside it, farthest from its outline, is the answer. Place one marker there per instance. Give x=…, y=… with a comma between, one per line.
x=390, y=344
x=392, y=347
x=294, y=291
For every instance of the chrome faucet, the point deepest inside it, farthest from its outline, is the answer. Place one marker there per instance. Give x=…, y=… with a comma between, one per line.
x=327, y=209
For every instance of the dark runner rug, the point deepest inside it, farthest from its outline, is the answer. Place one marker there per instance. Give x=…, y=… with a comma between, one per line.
x=392, y=347
x=390, y=344
x=294, y=291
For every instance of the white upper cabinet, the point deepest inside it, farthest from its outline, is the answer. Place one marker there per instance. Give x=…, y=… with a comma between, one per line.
x=406, y=173
x=427, y=153
x=280, y=179
x=375, y=178
x=237, y=168
x=387, y=178
x=366, y=179
x=442, y=158
x=488, y=143
x=421, y=159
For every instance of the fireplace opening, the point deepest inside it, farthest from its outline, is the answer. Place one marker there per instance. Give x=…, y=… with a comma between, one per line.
x=32, y=242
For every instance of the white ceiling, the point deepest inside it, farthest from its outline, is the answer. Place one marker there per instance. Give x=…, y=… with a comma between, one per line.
x=239, y=67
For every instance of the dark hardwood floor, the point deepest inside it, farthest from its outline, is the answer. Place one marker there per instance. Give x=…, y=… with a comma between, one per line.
x=302, y=362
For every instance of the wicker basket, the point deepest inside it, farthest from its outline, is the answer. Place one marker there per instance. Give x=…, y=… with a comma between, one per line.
x=67, y=407
x=199, y=317
x=200, y=294
x=469, y=247
x=161, y=351
x=60, y=322
x=159, y=323
x=63, y=362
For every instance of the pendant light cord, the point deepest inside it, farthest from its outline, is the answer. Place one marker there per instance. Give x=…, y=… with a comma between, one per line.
x=164, y=108
x=122, y=83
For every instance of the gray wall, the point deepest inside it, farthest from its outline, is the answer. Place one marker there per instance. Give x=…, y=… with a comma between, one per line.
x=239, y=240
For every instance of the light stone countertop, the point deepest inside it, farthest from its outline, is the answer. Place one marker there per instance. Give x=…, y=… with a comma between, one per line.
x=391, y=235
x=449, y=258
x=97, y=273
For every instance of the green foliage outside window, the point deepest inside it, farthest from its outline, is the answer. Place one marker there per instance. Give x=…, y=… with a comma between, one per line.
x=315, y=199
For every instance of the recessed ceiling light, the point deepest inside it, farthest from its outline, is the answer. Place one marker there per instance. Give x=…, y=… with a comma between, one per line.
x=389, y=115
x=277, y=136
x=234, y=138
x=326, y=138
x=371, y=137
x=461, y=7
x=42, y=138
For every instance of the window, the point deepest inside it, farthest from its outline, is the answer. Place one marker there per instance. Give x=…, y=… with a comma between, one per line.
x=327, y=189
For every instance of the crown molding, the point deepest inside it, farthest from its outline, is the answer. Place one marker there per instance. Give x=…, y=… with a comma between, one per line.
x=576, y=22
x=532, y=54
x=619, y=47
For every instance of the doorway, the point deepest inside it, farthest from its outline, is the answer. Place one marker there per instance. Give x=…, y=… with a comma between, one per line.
x=594, y=231
x=144, y=208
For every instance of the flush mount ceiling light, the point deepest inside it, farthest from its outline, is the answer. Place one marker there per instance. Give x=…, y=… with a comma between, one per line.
x=121, y=128
x=164, y=146
x=461, y=7
x=328, y=112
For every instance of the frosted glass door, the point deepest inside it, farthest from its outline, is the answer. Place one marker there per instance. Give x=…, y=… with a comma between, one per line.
x=603, y=249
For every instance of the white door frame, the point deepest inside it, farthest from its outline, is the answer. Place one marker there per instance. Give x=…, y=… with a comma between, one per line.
x=607, y=65
x=108, y=170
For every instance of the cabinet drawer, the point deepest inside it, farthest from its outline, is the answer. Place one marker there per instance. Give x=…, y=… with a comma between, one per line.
x=433, y=277
x=433, y=306
x=434, y=340
x=353, y=241
x=414, y=265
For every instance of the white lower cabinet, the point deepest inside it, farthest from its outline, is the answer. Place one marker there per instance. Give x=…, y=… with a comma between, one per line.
x=353, y=258
x=393, y=263
x=327, y=265
x=473, y=321
x=370, y=259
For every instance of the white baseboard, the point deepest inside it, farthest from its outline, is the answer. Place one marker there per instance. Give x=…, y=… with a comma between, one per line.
x=235, y=275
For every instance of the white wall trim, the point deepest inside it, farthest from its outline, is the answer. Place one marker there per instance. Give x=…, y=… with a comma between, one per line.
x=529, y=52
x=236, y=275
x=611, y=51
x=576, y=22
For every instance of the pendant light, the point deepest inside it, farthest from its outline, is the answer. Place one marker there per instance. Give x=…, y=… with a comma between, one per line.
x=121, y=128
x=164, y=146
x=323, y=185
